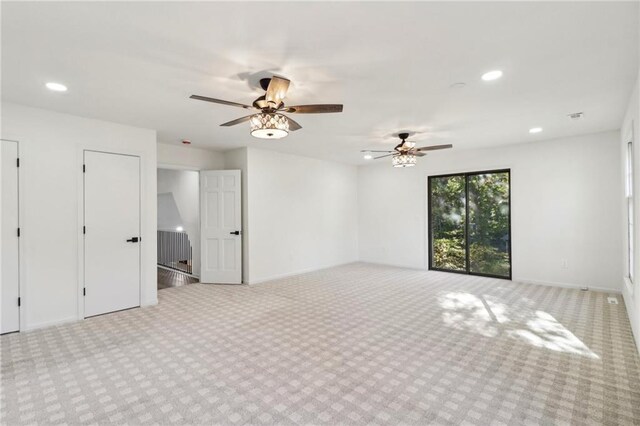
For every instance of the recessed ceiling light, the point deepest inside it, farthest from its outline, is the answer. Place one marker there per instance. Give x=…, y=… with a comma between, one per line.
x=186, y=142
x=535, y=130
x=492, y=75
x=56, y=87
x=368, y=156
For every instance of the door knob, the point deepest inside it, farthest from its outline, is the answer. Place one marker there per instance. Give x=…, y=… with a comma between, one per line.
x=234, y=232
x=133, y=240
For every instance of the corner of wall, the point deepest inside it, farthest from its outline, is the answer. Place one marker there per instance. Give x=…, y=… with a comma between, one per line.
x=630, y=131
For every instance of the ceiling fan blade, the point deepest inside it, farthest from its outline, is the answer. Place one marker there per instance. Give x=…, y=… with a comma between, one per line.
x=293, y=125
x=417, y=153
x=434, y=147
x=314, y=109
x=237, y=121
x=220, y=101
x=382, y=156
x=277, y=91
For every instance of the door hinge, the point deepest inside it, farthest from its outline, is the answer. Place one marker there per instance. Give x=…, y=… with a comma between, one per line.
x=84, y=168
x=17, y=162
x=84, y=291
x=84, y=229
x=19, y=302
x=18, y=232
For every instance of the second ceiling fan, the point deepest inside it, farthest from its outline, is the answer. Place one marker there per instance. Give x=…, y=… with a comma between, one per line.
x=405, y=153
x=268, y=122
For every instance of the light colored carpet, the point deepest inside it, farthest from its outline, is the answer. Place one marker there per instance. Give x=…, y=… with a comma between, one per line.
x=357, y=344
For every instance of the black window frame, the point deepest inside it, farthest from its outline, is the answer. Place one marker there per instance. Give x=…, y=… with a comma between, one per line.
x=466, y=225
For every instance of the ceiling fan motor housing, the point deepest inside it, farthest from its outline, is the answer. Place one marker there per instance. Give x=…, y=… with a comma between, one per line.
x=264, y=83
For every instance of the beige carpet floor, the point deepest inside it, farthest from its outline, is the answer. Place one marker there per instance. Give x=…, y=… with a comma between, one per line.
x=357, y=344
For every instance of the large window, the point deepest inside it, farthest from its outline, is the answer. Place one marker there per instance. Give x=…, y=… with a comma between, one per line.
x=470, y=223
x=630, y=200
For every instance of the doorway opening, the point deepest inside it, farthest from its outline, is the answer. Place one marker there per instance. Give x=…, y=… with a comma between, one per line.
x=178, y=255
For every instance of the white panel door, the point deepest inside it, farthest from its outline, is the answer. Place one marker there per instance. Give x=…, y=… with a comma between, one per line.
x=220, y=227
x=10, y=240
x=112, y=232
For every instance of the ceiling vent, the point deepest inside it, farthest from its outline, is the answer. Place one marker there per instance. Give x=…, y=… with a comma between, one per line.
x=576, y=115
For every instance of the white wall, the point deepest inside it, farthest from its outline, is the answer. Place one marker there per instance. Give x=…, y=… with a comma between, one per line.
x=565, y=205
x=51, y=146
x=631, y=131
x=302, y=214
x=237, y=160
x=184, y=187
x=189, y=158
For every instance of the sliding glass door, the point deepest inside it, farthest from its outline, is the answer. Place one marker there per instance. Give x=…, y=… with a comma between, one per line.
x=448, y=219
x=470, y=223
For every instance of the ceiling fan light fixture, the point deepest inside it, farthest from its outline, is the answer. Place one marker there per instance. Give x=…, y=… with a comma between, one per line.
x=404, y=160
x=269, y=126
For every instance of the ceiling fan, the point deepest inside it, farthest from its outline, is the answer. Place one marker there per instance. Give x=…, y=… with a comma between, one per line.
x=405, y=153
x=269, y=122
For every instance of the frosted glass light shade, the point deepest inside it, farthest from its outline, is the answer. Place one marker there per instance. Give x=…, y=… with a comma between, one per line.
x=403, y=160
x=269, y=126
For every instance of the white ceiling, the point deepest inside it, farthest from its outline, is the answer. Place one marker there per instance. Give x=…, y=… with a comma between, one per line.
x=390, y=64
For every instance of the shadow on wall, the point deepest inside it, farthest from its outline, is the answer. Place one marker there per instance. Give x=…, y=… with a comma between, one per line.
x=169, y=218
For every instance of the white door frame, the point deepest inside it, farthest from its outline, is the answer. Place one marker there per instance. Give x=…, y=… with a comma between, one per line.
x=21, y=244
x=138, y=233
x=80, y=221
x=170, y=166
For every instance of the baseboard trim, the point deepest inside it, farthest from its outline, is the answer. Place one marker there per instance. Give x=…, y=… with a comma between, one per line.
x=46, y=324
x=567, y=285
x=514, y=279
x=40, y=325
x=299, y=272
x=394, y=265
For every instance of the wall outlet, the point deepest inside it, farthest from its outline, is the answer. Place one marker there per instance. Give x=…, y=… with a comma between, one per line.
x=564, y=263
x=613, y=300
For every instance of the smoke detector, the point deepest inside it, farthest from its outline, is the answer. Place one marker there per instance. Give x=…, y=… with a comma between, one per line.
x=576, y=115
